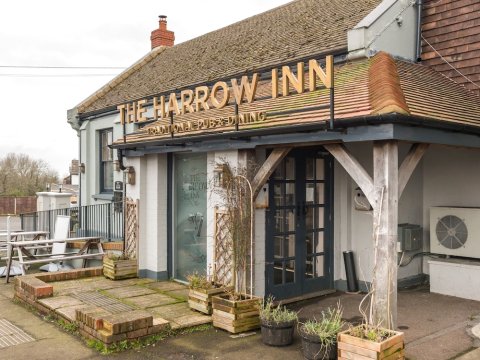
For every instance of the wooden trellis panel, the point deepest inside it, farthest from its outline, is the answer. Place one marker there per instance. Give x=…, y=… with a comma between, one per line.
x=131, y=228
x=223, y=255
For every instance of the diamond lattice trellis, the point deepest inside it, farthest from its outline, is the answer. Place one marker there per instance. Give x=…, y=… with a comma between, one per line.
x=131, y=228
x=223, y=257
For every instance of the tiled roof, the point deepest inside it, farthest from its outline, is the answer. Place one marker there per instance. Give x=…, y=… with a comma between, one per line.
x=364, y=88
x=299, y=29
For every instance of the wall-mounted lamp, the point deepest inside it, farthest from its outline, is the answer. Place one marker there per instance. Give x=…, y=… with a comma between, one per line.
x=82, y=168
x=131, y=175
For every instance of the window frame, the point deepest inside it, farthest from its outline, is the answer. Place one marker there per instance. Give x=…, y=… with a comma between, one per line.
x=102, y=162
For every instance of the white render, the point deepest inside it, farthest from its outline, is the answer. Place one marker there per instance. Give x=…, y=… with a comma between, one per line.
x=460, y=278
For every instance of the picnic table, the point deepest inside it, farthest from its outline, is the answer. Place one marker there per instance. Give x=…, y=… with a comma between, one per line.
x=26, y=257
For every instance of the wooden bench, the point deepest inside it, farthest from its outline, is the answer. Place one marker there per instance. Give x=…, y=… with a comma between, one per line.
x=25, y=256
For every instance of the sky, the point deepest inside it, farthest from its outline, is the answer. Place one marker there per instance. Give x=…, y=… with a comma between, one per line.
x=87, y=33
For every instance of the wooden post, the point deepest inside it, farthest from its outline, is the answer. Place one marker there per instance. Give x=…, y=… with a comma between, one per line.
x=385, y=223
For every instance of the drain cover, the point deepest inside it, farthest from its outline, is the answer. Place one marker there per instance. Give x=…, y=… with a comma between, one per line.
x=11, y=335
x=105, y=302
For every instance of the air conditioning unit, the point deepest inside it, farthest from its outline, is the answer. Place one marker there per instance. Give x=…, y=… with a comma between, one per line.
x=455, y=231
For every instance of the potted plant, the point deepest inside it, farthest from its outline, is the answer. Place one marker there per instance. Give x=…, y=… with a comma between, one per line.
x=319, y=337
x=277, y=323
x=119, y=266
x=371, y=342
x=237, y=311
x=201, y=292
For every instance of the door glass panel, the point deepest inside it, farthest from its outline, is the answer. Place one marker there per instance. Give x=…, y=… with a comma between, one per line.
x=277, y=243
x=290, y=194
x=279, y=172
x=310, y=168
x=290, y=245
x=319, y=266
x=290, y=220
x=320, y=169
x=309, y=216
x=279, y=221
x=290, y=271
x=319, y=245
x=277, y=273
x=310, y=193
x=190, y=244
x=320, y=217
x=289, y=168
x=320, y=193
x=309, y=267
x=278, y=194
x=309, y=243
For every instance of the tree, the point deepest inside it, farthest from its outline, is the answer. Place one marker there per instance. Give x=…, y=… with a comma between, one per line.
x=21, y=175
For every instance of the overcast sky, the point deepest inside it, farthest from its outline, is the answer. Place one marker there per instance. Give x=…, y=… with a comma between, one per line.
x=107, y=33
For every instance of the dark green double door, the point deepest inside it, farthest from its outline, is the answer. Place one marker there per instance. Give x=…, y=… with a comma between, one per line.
x=299, y=239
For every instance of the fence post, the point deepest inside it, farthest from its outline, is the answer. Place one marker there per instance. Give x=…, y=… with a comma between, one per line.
x=109, y=231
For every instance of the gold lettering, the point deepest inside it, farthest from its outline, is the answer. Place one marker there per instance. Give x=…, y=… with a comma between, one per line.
x=201, y=97
x=141, y=110
x=131, y=113
x=314, y=71
x=225, y=94
x=274, y=83
x=173, y=104
x=121, y=109
x=262, y=116
x=159, y=108
x=245, y=88
x=186, y=97
x=298, y=82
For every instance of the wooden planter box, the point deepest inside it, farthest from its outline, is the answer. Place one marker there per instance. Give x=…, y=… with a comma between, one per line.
x=352, y=347
x=236, y=316
x=119, y=269
x=201, y=299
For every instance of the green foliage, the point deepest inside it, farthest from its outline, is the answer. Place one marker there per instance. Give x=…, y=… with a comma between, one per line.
x=21, y=175
x=276, y=314
x=198, y=281
x=370, y=332
x=325, y=328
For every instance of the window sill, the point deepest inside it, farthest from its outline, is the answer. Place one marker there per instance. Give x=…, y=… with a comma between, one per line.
x=104, y=196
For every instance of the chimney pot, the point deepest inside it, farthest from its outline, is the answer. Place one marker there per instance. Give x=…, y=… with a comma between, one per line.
x=162, y=36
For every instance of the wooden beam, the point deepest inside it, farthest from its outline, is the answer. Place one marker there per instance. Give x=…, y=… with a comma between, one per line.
x=409, y=164
x=385, y=223
x=267, y=168
x=354, y=169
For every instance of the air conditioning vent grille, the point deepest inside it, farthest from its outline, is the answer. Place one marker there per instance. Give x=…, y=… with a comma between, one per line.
x=451, y=232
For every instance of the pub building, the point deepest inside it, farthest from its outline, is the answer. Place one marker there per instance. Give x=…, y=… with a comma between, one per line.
x=352, y=129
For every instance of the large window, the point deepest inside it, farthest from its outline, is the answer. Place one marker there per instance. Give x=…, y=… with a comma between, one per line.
x=190, y=229
x=106, y=161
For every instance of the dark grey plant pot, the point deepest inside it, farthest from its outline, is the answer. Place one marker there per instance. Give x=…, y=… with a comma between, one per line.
x=277, y=334
x=312, y=348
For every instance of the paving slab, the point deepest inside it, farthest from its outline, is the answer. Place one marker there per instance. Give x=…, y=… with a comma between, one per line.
x=471, y=355
x=166, y=286
x=69, y=312
x=105, y=302
x=57, y=302
x=129, y=291
x=151, y=300
x=180, y=294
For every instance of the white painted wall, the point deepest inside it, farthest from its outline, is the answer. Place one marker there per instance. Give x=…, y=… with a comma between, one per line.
x=451, y=177
x=151, y=190
x=353, y=228
x=90, y=141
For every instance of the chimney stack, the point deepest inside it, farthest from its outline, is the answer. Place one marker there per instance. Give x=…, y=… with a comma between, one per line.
x=162, y=36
